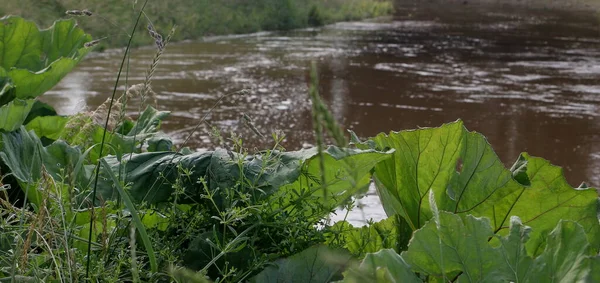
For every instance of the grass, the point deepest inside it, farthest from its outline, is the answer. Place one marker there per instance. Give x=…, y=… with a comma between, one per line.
x=112, y=19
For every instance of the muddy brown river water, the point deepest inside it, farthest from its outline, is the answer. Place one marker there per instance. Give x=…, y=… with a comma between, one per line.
x=526, y=79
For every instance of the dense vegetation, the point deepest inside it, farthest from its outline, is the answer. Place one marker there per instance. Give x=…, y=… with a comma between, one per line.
x=197, y=18
x=98, y=196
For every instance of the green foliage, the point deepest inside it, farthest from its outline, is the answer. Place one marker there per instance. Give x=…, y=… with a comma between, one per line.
x=316, y=264
x=347, y=171
x=50, y=127
x=467, y=178
x=315, y=18
x=35, y=60
x=13, y=114
x=450, y=248
x=384, y=266
x=391, y=233
x=28, y=160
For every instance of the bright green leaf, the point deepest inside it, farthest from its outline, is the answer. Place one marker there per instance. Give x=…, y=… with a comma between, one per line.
x=450, y=248
x=566, y=257
x=467, y=177
x=13, y=114
x=391, y=233
x=36, y=60
x=384, y=266
x=48, y=126
x=347, y=171
x=448, y=244
x=20, y=45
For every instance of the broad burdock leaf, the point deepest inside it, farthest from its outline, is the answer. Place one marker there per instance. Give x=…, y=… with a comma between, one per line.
x=450, y=248
x=13, y=114
x=447, y=245
x=468, y=178
x=391, y=233
x=26, y=157
x=566, y=257
x=36, y=60
x=50, y=127
x=384, y=266
x=512, y=248
x=152, y=174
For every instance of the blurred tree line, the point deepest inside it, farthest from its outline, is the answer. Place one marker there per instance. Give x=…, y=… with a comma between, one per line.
x=196, y=18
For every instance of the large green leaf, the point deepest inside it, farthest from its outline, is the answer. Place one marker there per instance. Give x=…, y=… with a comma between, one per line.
x=152, y=174
x=347, y=171
x=546, y=201
x=50, y=127
x=391, y=233
x=384, y=266
x=467, y=177
x=40, y=109
x=21, y=152
x=20, y=45
x=566, y=257
x=318, y=264
x=451, y=247
x=36, y=60
x=13, y=114
x=24, y=154
x=448, y=245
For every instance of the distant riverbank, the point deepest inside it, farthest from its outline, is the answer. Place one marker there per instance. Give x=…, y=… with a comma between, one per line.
x=113, y=19
x=534, y=4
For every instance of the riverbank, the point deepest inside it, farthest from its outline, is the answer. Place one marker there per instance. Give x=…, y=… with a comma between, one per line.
x=112, y=19
x=576, y=5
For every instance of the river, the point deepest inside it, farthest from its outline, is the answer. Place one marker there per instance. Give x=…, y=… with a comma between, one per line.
x=526, y=79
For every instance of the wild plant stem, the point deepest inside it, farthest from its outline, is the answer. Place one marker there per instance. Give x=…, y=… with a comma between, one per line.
x=112, y=99
x=317, y=125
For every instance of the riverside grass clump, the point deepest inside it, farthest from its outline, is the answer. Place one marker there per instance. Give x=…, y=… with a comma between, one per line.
x=113, y=200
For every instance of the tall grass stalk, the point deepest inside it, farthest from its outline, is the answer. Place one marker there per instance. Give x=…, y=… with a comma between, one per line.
x=317, y=118
x=137, y=221
x=97, y=176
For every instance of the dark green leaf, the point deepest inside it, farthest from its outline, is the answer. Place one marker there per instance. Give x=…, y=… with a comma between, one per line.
x=23, y=153
x=317, y=264
x=40, y=109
